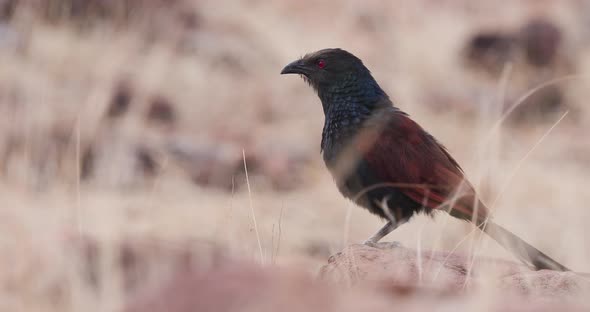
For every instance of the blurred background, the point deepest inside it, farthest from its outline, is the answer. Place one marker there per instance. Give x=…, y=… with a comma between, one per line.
x=129, y=124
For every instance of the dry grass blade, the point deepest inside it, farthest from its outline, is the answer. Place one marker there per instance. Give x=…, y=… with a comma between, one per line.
x=252, y=208
x=523, y=159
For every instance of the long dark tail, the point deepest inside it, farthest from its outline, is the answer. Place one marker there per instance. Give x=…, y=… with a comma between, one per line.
x=523, y=250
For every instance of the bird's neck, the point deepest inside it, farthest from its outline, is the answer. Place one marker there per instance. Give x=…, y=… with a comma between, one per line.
x=351, y=93
x=346, y=107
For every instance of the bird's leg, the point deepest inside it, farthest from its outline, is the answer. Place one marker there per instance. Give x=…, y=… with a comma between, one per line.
x=373, y=241
x=391, y=225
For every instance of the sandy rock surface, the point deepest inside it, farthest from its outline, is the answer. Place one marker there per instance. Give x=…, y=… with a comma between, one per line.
x=448, y=272
x=362, y=278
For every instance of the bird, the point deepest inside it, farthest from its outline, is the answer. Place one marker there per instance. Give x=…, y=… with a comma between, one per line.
x=385, y=162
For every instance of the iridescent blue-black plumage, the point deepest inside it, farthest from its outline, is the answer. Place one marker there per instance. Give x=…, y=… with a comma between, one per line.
x=384, y=161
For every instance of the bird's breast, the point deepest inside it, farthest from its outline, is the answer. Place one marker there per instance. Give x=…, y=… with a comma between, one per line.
x=337, y=137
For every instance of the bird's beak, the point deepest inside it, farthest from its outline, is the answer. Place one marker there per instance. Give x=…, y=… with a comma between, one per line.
x=296, y=67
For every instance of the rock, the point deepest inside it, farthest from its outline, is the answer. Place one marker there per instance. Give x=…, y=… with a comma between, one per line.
x=213, y=165
x=220, y=164
x=161, y=111
x=120, y=100
x=218, y=282
x=541, y=40
x=147, y=162
x=7, y=9
x=537, y=53
x=490, y=50
x=444, y=272
x=224, y=284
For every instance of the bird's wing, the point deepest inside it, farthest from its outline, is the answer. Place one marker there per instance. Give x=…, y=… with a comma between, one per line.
x=402, y=152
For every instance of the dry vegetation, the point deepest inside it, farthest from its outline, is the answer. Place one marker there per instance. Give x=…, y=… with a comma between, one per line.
x=131, y=120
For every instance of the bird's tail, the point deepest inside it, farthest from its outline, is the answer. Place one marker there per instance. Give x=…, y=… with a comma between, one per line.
x=523, y=250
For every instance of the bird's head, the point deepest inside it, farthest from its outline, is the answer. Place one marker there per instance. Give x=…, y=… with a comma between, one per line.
x=334, y=72
x=325, y=66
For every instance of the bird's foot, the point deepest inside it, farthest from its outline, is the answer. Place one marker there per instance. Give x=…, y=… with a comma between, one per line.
x=382, y=245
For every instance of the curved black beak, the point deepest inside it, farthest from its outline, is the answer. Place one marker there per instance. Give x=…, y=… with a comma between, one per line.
x=296, y=67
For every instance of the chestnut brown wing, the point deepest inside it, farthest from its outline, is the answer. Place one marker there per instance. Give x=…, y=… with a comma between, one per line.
x=402, y=152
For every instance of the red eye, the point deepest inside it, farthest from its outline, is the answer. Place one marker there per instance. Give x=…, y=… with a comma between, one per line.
x=321, y=63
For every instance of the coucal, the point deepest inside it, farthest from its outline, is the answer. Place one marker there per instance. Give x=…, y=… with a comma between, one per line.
x=385, y=162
